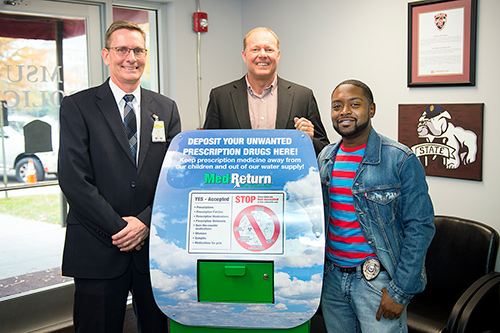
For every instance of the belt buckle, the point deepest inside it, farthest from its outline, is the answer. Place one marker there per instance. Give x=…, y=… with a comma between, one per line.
x=371, y=269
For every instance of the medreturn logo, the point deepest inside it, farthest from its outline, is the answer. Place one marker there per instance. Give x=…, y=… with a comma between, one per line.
x=237, y=179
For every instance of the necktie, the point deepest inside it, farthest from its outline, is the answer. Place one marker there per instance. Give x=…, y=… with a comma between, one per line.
x=130, y=124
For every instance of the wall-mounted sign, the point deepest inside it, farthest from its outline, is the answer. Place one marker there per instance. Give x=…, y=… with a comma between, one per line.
x=447, y=138
x=229, y=204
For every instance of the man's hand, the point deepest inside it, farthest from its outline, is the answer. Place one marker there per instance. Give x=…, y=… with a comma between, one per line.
x=132, y=236
x=388, y=308
x=304, y=125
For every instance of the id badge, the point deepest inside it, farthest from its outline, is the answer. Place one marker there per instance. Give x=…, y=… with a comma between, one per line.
x=158, y=134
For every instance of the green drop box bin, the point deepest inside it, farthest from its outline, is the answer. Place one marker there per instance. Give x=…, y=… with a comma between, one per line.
x=235, y=282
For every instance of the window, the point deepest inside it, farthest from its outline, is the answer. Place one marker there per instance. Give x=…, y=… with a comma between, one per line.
x=146, y=19
x=48, y=50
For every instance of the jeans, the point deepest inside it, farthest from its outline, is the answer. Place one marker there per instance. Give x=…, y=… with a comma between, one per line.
x=349, y=302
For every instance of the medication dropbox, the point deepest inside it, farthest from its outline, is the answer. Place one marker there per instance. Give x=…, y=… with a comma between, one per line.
x=237, y=232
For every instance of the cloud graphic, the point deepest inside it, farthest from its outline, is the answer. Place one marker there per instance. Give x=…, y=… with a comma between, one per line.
x=296, y=291
x=300, y=254
x=171, y=284
x=307, y=193
x=169, y=257
x=160, y=219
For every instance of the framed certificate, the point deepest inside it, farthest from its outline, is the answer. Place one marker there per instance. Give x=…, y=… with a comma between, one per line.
x=442, y=43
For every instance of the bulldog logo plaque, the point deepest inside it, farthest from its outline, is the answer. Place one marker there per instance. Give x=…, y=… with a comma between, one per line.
x=447, y=138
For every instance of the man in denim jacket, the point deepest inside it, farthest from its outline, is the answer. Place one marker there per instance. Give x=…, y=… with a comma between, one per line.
x=379, y=217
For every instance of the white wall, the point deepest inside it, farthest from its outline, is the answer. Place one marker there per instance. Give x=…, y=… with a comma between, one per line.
x=326, y=41
x=220, y=47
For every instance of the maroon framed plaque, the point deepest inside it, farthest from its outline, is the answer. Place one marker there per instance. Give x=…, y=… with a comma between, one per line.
x=442, y=43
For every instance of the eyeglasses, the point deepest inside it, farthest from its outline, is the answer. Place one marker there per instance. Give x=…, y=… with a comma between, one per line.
x=124, y=51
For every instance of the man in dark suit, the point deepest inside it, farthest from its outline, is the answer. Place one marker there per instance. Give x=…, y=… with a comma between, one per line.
x=109, y=162
x=263, y=100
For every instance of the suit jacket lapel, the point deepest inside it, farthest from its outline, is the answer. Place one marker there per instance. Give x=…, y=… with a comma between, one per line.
x=107, y=105
x=285, y=98
x=146, y=126
x=239, y=98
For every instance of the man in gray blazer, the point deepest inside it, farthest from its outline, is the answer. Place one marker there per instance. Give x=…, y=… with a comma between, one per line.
x=263, y=100
x=109, y=163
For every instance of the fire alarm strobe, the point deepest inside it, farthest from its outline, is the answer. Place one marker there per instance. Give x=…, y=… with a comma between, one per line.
x=200, y=22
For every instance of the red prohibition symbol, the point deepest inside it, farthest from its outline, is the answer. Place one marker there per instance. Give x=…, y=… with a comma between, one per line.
x=256, y=228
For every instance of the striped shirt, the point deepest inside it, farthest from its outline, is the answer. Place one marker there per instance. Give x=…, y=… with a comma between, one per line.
x=346, y=244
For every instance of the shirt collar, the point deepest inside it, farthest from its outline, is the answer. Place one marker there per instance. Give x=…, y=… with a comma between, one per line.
x=271, y=89
x=118, y=93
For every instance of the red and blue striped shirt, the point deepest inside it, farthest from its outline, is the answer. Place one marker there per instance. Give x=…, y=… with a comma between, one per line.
x=346, y=244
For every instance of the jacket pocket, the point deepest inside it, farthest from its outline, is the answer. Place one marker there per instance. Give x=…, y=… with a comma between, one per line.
x=383, y=204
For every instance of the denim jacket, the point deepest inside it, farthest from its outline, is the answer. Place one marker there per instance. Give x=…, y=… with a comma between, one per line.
x=393, y=208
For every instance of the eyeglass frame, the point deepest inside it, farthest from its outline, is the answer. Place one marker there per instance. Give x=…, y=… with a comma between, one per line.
x=142, y=51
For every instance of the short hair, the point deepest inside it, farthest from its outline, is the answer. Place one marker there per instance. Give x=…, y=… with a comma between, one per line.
x=257, y=29
x=118, y=25
x=366, y=90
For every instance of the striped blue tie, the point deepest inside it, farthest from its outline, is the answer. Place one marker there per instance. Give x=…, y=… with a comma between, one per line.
x=130, y=124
